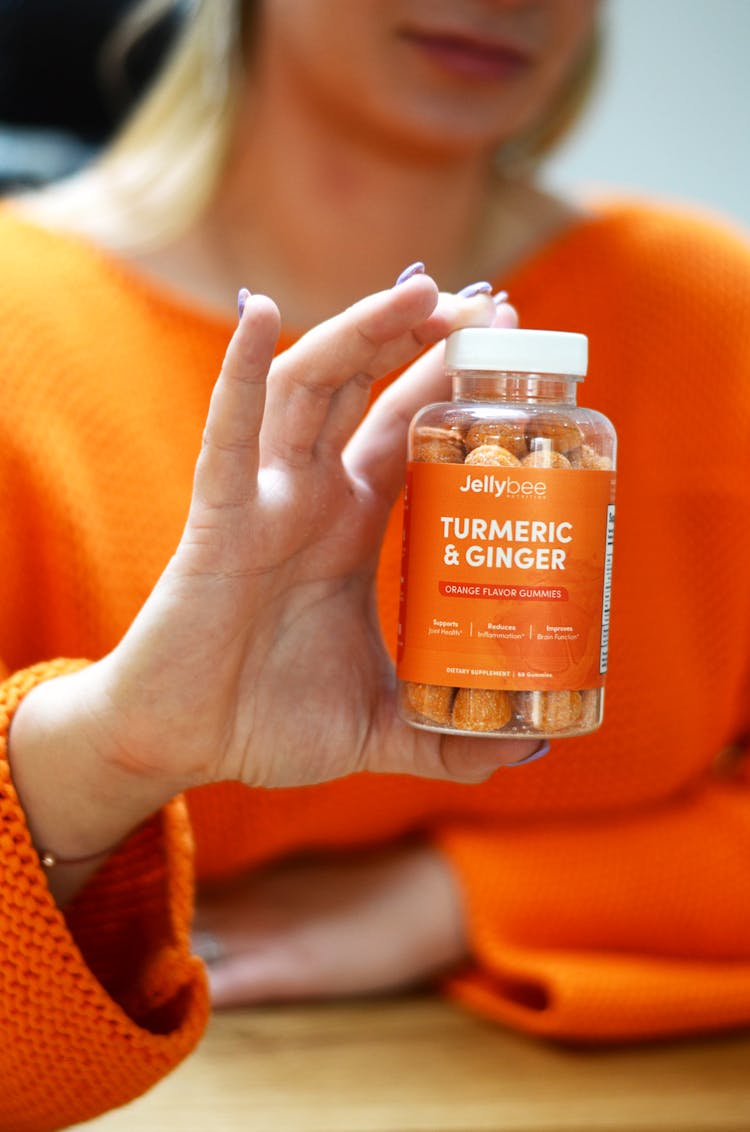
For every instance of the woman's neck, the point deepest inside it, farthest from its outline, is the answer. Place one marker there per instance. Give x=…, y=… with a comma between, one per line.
x=320, y=224
x=315, y=217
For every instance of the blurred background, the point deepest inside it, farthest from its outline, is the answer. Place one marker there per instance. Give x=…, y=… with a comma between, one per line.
x=671, y=118
x=61, y=91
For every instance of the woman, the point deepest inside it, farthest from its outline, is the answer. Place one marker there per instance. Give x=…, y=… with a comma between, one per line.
x=596, y=893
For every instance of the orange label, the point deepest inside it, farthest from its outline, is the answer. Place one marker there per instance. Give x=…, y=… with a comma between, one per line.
x=505, y=577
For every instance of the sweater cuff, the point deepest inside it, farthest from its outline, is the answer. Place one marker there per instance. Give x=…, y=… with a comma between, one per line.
x=618, y=928
x=99, y=1001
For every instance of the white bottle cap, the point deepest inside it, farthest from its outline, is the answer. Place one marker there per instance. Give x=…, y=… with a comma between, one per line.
x=517, y=351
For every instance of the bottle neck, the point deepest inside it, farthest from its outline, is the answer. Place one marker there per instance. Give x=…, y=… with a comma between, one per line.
x=548, y=389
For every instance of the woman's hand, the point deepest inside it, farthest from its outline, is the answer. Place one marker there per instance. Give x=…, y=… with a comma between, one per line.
x=258, y=654
x=328, y=927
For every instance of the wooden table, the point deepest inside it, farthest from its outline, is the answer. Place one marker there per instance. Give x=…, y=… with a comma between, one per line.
x=402, y=1065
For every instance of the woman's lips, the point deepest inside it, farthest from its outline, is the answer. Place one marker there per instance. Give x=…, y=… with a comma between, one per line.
x=467, y=57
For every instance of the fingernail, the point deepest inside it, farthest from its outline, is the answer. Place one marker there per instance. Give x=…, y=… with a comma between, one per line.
x=543, y=750
x=242, y=298
x=413, y=269
x=473, y=289
x=500, y=297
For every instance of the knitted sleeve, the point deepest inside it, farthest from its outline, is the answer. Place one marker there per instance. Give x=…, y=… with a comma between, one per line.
x=99, y=1001
x=655, y=942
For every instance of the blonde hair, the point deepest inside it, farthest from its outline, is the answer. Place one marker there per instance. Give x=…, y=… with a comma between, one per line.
x=522, y=155
x=161, y=170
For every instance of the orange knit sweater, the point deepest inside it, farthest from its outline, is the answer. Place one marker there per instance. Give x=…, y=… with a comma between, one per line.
x=606, y=885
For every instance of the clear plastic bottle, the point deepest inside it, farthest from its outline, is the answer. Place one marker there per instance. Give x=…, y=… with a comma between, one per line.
x=508, y=532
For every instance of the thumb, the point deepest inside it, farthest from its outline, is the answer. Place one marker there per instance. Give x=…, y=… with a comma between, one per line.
x=456, y=758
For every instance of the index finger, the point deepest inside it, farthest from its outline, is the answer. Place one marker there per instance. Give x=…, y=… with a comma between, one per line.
x=319, y=388
x=377, y=450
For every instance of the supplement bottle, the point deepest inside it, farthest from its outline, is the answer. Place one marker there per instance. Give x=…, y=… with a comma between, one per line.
x=508, y=533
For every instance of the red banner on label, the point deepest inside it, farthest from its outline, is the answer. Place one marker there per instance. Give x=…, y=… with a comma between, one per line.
x=503, y=593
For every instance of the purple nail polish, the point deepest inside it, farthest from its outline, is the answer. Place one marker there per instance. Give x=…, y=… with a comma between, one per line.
x=499, y=298
x=543, y=750
x=242, y=298
x=473, y=289
x=413, y=269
